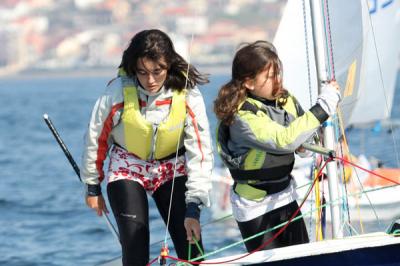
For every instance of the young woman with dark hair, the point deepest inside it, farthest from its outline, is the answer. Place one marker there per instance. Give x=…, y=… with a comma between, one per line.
x=145, y=121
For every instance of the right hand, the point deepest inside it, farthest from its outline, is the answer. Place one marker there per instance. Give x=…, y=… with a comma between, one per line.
x=97, y=203
x=329, y=97
x=193, y=229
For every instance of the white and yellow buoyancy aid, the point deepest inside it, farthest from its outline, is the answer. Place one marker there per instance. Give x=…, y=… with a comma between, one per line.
x=139, y=133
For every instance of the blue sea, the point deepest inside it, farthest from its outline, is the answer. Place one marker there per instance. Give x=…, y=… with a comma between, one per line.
x=43, y=218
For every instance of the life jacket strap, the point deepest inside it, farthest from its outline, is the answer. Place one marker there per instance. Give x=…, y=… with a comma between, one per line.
x=256, y=190
x=263, y=174
x=181, y=151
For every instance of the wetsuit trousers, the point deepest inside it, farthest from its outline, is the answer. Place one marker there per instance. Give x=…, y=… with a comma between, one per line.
x=295, y=233
x=129, y=204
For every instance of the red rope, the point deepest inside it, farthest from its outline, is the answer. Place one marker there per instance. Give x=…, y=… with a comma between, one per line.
x=152, y=261
x=269, y=240
x=290, y=220
x=368, y=171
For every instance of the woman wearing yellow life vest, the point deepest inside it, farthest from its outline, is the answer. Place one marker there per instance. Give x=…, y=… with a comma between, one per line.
x=261, y=127
x=145, y=122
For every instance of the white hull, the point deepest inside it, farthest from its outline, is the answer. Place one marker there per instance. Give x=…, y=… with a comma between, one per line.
x=317, y=250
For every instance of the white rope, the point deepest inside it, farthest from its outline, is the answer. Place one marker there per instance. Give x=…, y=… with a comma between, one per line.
x=307, y=51
x=177, y=146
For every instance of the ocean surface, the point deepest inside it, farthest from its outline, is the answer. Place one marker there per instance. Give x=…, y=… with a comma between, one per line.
x=43, y=218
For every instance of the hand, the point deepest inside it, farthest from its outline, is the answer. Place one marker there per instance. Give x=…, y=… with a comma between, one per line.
x=303, y=153
x=329, y=97
x=97, y=203
x=192, y=226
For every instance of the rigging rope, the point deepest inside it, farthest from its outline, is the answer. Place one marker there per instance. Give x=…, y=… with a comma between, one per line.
x=318, y=216
x=344, y=138
x=307, y=51
x=164, y=249
x=368, y=171
x=337, y=201
x=345, y=203
x=177, y=149
x=269, y=240
x=329, y=46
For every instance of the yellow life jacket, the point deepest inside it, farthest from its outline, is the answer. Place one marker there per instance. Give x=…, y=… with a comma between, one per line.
x=139, y=133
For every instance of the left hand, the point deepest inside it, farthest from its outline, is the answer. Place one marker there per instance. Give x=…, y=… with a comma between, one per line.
x=97, y=203
x=193, y=228
x=329, y=97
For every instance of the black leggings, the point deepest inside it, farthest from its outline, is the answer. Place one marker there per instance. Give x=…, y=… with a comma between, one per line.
x=128, y=201
x=295, y=233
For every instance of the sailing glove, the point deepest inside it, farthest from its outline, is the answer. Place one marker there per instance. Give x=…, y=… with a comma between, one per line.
x=93, y=190
x=192, y=210
x=329, y=98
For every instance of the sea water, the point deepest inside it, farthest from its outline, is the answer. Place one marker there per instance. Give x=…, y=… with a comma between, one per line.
x=43, y=218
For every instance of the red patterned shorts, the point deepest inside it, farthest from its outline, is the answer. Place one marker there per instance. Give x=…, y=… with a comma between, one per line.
x=150, y=174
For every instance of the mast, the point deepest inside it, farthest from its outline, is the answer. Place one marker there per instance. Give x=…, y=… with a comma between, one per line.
x=321, y=61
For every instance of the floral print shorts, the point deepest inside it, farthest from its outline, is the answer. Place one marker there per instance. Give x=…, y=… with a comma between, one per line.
x=150, y=174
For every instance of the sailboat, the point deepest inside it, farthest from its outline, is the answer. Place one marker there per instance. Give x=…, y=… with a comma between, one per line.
x=317, y=41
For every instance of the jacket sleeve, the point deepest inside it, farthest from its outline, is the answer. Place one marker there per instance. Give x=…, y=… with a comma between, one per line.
x=261, y=132
x=199, y=155
x=97, y=139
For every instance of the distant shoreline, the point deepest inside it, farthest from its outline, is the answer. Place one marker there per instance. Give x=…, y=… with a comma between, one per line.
x=95, y=72
x=104, y=72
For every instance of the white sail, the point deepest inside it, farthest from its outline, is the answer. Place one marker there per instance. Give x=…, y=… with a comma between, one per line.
x=346, y=34
x=292, y=45
x=378, y=87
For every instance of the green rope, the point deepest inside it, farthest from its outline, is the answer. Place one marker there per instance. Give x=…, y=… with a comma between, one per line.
x=198, y=246
x=245, y=240
x=189, y=251
x=226, y=217
x=305, y=214
x=203, y=225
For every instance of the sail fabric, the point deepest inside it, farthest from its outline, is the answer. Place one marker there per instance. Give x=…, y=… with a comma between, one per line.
x=379, y=83
x=292, y=44
x=345, y=47
x=347, y=20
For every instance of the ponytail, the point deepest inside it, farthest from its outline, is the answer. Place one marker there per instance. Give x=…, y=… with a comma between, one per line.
x=230, y=96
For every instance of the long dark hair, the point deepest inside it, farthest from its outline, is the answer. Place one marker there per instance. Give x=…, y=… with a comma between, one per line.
x=155, y=45
x=249, y=60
